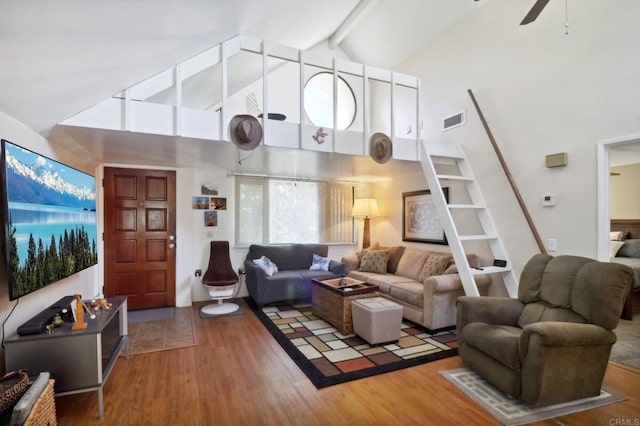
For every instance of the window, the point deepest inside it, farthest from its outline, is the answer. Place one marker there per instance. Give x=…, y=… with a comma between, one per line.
x=276, y=211
x=318, y=101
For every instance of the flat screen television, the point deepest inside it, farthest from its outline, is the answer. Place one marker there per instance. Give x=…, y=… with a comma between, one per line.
x=49, y=214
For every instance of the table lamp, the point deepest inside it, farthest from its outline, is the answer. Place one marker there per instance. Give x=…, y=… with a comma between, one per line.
x=365, y=207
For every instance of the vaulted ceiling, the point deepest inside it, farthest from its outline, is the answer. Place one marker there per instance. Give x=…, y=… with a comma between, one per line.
x=61, y=58
x=64, y=57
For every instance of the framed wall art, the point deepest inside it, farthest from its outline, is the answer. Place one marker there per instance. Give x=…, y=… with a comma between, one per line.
x=420, y=221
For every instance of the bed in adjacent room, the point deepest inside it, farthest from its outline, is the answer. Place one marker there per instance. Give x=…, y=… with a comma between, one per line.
x=625, y=248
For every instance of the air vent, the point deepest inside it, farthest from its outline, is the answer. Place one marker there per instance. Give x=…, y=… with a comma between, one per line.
x=453, y=121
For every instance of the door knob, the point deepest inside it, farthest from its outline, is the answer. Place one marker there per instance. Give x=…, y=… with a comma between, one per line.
x=172, y=246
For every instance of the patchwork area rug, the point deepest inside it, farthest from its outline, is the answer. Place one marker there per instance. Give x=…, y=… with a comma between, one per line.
x=509, y=411
x=328, y=357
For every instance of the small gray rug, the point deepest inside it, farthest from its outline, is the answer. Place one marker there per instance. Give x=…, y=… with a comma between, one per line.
x=511, y=412
x=146, y=315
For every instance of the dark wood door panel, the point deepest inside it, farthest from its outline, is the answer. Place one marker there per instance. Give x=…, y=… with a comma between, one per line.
x=140, y=236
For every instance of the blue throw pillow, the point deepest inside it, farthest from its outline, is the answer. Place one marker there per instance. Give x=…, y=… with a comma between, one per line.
x=266, y=265
x=319, y=263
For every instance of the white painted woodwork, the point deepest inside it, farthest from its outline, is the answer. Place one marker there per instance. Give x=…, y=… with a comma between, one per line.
x=478, y=205
x=392, y=98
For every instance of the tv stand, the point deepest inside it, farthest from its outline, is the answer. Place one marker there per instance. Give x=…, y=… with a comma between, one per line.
x=79, y=361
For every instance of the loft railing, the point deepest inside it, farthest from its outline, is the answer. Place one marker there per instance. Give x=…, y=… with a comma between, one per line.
x=198, y=97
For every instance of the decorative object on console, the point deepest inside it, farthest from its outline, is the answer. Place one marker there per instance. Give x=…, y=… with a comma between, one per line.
x=420, y=221
x=380, y=148
x=365, y=207
x=80, y=308
x=38, y=323
x=245, y=131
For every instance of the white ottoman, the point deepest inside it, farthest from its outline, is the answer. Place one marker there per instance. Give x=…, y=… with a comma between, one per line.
x=376, y=319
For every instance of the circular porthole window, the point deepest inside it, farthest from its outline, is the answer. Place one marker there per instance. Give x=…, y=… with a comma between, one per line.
x=318, y=101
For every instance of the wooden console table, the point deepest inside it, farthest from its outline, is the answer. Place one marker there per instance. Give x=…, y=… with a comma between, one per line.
x=79, y=361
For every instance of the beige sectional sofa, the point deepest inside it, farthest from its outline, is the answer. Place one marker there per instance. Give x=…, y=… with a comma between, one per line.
x=424, y=282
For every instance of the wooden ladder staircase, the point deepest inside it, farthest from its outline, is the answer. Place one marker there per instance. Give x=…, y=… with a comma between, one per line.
x=455, y=154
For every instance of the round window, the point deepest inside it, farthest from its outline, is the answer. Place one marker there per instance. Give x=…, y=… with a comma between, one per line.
x=318, y=101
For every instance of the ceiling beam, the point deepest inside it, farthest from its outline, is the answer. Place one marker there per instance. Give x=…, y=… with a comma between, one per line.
x=350, y=21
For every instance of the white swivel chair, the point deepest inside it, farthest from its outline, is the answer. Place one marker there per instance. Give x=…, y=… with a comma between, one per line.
x=220, y=280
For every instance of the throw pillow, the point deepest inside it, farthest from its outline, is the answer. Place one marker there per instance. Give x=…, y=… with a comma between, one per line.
x=374, y=246
x=630, y=248
x=411, y=262
x=617, y=235
x=395, y=254
x=319, y=263
x=266, y=265
x=374, y=261
x=615, y=247
x=435, y=264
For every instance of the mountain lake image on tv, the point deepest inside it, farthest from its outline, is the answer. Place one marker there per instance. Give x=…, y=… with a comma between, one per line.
x=49, y=218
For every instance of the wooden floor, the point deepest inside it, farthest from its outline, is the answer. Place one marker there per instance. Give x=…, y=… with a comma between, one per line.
x=239, y=375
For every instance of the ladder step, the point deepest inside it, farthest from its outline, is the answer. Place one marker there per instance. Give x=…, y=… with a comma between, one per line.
x=455, y=177
x=490, y=270
x=476, y=237
x=447, y=154
x=466, y=206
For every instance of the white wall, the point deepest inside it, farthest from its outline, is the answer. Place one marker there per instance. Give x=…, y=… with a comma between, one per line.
x=624, y=194
x=542, y=92
x=84, y=282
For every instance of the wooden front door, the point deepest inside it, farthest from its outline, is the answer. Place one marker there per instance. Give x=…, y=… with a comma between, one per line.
x=139, y=236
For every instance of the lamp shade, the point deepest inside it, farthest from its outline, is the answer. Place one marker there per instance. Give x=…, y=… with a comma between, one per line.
x=366, y=207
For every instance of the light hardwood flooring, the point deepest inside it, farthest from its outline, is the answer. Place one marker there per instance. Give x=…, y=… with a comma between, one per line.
x=239, y=375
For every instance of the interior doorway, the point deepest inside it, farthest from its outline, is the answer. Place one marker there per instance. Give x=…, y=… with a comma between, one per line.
x=606, y=151
x=139, y=236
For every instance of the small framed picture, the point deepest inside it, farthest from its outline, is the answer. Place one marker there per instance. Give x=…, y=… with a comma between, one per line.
x=200, y=203
x=209, y=189
x=210, y=218
x=218, y=203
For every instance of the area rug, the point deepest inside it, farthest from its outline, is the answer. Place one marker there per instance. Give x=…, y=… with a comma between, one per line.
x=626, y=350
x=509, y=411
x=328, y=357
x=146, y=315
x=171, y=333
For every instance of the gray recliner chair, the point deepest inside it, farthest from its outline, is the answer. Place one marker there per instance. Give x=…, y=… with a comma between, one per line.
x=552, y=343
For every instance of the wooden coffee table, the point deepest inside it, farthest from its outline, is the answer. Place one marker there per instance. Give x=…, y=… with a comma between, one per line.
x=331, y=300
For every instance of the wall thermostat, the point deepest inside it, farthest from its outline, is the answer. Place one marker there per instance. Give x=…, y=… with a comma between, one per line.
x=548, y=200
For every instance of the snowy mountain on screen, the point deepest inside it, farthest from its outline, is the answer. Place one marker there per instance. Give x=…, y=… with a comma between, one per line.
x=43, y=183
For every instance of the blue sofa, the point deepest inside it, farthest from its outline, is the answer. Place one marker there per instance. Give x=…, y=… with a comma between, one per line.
x=293, y=279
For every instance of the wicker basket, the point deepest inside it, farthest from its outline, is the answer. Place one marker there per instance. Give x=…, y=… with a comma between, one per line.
x=43, y=411
x=335, y=308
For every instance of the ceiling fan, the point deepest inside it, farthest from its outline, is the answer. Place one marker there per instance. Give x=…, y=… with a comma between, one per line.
x=534, y=12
